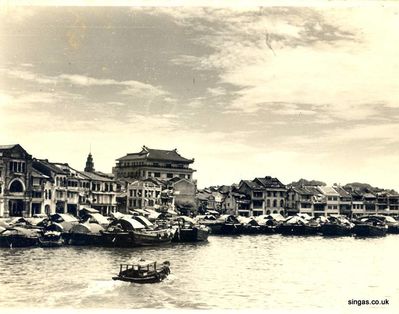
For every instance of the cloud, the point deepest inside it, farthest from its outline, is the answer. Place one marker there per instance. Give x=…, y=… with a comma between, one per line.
x=343, y=61
x=129, y=87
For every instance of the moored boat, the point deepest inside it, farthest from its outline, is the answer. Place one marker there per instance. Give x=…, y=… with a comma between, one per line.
x=370, y=227
x=128, y=232
x=187, y=230
x=296, y=225
x=51, y=239
x=337, y=225
x=223, y=225
x=19, y=237
x=85, y=234
x=143, y=271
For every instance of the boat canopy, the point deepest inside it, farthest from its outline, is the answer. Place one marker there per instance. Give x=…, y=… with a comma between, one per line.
x=63, y=217
x=89, y=210
x=22, y=231
x=139, y=211
x=98, y=218
x=35, y=221
x=384, y=218
x=228, y=218
x=143, y=221
x=304, y=216
x=295, y=220
x=212, y=212
x=247, y=220
x=2, y=229
x=186, y=218
x=86, y=228
x=205, y=217
x=128, y=224
x=117, y=215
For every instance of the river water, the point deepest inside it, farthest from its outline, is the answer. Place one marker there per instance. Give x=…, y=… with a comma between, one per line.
x=242, y=272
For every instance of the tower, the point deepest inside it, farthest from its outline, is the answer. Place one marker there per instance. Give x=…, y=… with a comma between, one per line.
x=89, y=164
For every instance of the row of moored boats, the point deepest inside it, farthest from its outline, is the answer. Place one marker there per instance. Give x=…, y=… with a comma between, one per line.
x=132, y=230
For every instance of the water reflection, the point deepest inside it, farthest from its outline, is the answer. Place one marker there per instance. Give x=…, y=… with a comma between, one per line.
x=257, y=272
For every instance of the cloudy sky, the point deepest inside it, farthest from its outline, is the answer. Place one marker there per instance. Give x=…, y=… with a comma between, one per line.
x=292, y=92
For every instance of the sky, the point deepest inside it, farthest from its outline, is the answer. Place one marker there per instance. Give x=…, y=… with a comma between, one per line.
x=247, y=91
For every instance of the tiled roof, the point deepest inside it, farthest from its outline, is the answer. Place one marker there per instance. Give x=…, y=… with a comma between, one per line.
x=269, y=182
x=327, y=190
x=6, y=147
x=304, y=190
x=39, y=163
x=37, y=174
x=253, y=185
x=341, y=191
x=95, y=176
x=157, y=154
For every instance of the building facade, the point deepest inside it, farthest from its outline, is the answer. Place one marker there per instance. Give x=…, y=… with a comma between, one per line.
x=15, y=176
x=267, y=195
x=154, y=163
x=30, y=186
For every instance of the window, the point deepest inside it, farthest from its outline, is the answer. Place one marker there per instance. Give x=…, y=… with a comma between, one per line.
x=257, y=204
x=268, y=203
x=274, y=203
x=258, y=194
x=157, y=174
x=281, y=203
x=169, y=175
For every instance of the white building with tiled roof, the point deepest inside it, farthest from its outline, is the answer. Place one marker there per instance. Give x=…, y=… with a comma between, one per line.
x=153, y=163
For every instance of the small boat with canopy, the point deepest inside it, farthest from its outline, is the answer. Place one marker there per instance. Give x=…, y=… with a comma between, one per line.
x=143, y=271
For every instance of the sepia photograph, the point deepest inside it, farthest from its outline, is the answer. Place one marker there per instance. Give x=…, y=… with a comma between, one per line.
x=199, y=156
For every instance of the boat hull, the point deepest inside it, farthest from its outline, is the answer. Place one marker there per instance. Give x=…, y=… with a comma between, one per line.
x=149, y=238
x=136, y=238
x=293, y=229
x=335, y=230
x=82, y=239
x=191, y=235
x=151, y=277
x=12, y=241
x=366, y=230
x=221, y=228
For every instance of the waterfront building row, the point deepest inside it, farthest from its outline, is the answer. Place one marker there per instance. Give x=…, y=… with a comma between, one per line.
x=31, y=186
x=262, y=196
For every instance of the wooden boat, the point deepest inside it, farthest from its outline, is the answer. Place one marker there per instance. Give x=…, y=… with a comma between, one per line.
x=19, y=237
x=51, y=239
x=370, y=227
x=128, y=232
x=187, y=230
x=224, y=225
x=393, y=225
x=144, y=237
x=85, y=234
x=143, y=272
x=249, y=225
x=298, y=226
x=337, y=225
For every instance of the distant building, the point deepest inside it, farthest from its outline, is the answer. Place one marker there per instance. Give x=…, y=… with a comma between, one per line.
x=332, y=200
x=300, y=200
x=154, y=163
x=143, y=194
x=30, y=186
x=15, y=176
x=267, y=195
